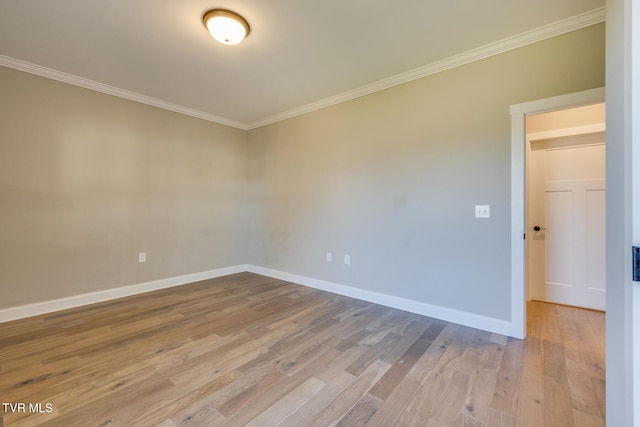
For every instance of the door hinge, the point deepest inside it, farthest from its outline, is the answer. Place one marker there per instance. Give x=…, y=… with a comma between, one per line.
x=636, y=263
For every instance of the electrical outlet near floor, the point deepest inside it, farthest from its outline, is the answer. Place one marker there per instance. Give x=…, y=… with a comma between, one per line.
x=142, y=257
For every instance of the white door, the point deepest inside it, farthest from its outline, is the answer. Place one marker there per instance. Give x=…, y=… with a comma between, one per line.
x=571, y=269
x=575, y=243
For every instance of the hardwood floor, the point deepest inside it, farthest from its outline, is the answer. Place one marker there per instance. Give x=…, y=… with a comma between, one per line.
x=250, y=350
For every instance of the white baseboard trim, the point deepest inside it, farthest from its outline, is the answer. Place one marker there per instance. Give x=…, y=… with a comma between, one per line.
x=20, y=312
x=490, y=324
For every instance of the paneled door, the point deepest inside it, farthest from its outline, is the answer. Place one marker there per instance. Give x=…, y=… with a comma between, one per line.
x=574, y=228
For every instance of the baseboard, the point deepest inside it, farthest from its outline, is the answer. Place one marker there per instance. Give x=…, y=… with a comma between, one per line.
x=20, y=312
x=490, y=324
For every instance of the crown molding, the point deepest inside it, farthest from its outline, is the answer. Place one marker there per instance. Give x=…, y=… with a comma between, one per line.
x=60, y=76
x=574, y=23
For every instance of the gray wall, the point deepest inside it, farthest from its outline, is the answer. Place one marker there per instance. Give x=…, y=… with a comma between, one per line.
x=89, y=180
x=392, y=179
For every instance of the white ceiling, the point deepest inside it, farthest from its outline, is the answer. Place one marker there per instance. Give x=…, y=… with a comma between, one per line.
x=301, y=54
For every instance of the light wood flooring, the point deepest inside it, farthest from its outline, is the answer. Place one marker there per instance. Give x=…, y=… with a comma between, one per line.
x=250, y=350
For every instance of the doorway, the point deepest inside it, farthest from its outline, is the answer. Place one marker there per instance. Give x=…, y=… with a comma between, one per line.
x=565, y=206
x=519, y=114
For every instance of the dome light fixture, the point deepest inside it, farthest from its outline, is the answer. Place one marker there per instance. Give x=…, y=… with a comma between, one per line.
x=226, y=26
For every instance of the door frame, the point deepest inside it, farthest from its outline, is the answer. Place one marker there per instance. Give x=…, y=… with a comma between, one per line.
x=519, y=113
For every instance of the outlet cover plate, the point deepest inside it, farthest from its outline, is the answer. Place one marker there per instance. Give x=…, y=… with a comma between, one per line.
x=483, y=211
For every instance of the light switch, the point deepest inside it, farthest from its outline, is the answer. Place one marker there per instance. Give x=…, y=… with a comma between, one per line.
x=483, y=211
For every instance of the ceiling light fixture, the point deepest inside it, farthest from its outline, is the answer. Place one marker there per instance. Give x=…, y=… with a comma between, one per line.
x=226, y=26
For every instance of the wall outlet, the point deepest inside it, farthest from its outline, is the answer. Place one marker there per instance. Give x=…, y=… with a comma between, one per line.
x=142, y=257
x=329, y=257
x=347, y=259
x=483, y=211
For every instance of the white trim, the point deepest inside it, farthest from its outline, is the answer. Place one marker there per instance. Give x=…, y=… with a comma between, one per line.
x=597, y=128
x=564, y=26
x=490, y=324
x=38, y=308
x=61, y=76
x=518, y=138
x=574, y=23
x=569, y=142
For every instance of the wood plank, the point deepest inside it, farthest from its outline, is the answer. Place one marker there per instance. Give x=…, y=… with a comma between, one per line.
x=286, y=386
x=103, y=410
x=597, y=323
x=245, y=349
x=451, y=399
x=352, y=394
x=498, y=418
x=245, y=397
x=152, y=409
x=583, y=395
x=382, y=347
x=421, y=407
x=558, y=410
x=201, y=413
x=288, y=404
x=469, y=421
x=383, y=388
x=530, y=412
x=347, y=343
x=312, y=409
x=505, y=396
x=554, y=361
x=361, y=412
x=585, y=420
x=401, y=397
x=588, y=357
x=431, y=358
x=479, y=394
x=599, y=388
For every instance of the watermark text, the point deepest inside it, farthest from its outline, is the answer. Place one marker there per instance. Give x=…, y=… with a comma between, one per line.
x=37, y=407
